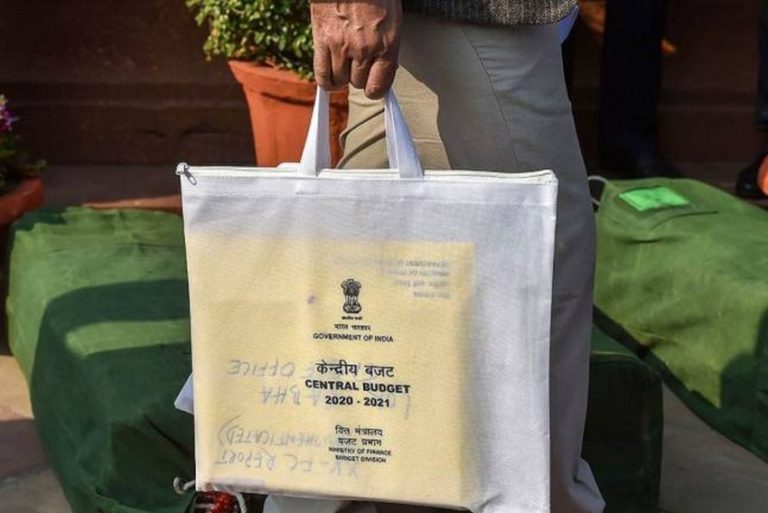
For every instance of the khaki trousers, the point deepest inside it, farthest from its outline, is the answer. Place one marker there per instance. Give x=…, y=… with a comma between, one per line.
x=494, y=99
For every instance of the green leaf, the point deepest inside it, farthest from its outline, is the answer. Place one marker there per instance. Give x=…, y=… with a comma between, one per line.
x=275, y=31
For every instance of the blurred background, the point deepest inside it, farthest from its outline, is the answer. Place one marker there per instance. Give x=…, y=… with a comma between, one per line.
x=126, y=83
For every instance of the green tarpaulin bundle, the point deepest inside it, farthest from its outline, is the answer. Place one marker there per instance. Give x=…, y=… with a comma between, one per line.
x=682, y=272
x=623, y=435
x=98, y=319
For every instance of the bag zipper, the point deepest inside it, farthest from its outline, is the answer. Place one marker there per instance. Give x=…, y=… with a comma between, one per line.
x=184, y=169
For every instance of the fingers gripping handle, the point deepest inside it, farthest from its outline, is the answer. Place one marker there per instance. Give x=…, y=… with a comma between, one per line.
x=401, y=150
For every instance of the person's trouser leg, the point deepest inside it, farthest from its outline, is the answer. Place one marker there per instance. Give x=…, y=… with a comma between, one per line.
x=631, y=74
x=494, y=99
x=761, y=111
x=275, y=504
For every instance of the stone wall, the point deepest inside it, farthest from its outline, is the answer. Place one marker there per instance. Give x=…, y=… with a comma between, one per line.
x=120, y=82
x=110, y=81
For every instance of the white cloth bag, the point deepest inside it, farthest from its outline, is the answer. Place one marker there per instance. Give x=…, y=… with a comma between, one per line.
x=373, y=334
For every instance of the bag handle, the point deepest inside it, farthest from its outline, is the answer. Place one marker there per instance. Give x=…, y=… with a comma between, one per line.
x=401, y=151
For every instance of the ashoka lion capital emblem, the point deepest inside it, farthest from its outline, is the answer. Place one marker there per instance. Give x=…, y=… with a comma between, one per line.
x=351, y=290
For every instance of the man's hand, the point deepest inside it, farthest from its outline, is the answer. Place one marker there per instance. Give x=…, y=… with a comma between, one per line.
x=356, y=42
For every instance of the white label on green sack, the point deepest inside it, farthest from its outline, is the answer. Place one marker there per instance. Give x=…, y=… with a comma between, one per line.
x=333, y=368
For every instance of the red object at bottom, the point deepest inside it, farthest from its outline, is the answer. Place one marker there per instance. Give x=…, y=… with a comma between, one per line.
x=217, y=502
x=26, y=196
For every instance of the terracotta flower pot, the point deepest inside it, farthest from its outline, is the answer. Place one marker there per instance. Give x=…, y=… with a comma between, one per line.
x=26, y=196
x=280, y=105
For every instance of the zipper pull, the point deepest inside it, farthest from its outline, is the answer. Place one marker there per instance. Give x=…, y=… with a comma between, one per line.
x=183, y=170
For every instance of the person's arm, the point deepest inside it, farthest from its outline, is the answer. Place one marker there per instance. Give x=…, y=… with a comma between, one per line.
x=356, y=42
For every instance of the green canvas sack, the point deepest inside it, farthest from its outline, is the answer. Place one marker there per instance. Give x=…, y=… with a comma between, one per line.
x=99, y=322
x=682, y=274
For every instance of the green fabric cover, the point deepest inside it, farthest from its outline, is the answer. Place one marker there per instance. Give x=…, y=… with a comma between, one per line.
x=98, y=320
x=625, y=422
x=686, y=285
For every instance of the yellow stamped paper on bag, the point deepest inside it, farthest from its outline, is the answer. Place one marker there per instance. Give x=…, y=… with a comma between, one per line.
x=332, y=368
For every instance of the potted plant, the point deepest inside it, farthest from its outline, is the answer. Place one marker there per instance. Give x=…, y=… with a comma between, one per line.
x=269, y=47
x=21, y=189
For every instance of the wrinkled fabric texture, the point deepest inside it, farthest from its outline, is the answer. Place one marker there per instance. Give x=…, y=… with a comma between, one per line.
x=686, y=286
x=496, y=12
x=494, y=98
x=98, y=319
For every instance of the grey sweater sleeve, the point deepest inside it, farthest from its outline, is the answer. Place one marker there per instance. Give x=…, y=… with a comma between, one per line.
x=497, y=12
